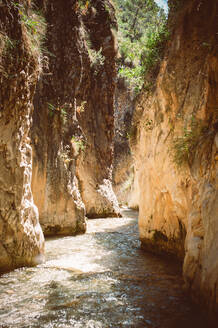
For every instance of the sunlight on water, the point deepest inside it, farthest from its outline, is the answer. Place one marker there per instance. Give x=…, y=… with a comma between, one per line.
x=77, y=263
x=100, y=279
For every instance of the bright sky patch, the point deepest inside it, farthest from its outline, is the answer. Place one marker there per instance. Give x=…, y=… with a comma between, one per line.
x=162, y=4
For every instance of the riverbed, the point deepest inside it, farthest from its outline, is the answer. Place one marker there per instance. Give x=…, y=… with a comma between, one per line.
x=99, y=279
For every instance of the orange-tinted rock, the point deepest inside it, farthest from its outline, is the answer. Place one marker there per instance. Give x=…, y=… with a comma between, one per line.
x=178, y=204
x=21, y=238
x=73, y=119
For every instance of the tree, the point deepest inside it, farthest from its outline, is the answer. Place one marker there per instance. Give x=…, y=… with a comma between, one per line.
x=142, y=28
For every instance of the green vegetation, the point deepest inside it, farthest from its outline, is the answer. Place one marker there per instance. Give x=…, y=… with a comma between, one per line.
x=7, y=46
x=35, y=25
x=78, y=144
x=59, y=110
x=6, y=43
x=82, y=5
x=51, y=109
x=96, y=57
x=184, y=146
x=142, y=36
x=80, y=109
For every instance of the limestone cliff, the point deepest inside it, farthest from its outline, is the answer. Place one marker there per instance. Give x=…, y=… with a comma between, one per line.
x=21, y=238
x=54, y=183
x=175, y=150
x=69, y=70
x=94, y=169
x=73, y=119
x=123, y=171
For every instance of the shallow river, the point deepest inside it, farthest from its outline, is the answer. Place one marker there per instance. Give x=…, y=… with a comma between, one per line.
x=100, y=279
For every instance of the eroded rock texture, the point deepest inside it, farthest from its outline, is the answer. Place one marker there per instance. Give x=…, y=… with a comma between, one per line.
x=123, y=168
x=178, y=210
x=21, y=238
x=73, y=122
x=55, y=186
x=97, y=119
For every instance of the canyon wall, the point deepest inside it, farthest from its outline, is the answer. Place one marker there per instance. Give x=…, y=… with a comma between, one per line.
x=60, y=57
x=176, y=154
x=73, y=119
x=97, y=120
x=21, y=238
x=123, y=169
x=54, y=183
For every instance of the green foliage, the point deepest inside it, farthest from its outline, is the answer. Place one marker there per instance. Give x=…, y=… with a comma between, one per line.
x=154, y=46
x=80, y=109
x=142, y=35
x=35, y=25
x=134, y=16
x=59, y=109
x=51, y=109
x=7, y=45
x=134, y=76
x=82, y=6
x=107, y=8
x=78, y=144
x=184, y=146
x=97, y=59
x=207, y=45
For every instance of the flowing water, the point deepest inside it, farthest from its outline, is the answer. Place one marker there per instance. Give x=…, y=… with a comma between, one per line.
x=100, y=279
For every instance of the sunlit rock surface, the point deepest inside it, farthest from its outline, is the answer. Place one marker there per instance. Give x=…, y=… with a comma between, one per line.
x=94, y=168
x=73, y=120
x=21, y=238
x=178, y=207
x=123, y=169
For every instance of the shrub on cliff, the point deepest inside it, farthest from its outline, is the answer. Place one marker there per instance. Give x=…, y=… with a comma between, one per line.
x=142, y=35
x=184, y=146
x=35, y=25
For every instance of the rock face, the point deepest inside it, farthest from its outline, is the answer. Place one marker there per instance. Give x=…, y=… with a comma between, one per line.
x=21, y=238
x=54, y=183
x=123, y=169
x=176, y=151
x=97, y=120
x=72, y=128
x=73, y=122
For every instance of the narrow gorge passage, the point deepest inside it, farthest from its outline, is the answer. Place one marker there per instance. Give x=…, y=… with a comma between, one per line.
x=100, y=279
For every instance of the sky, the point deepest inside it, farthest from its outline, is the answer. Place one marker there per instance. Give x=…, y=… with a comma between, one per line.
x=162, y=4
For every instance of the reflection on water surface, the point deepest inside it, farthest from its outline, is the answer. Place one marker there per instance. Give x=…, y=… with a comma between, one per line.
x=100, y=279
